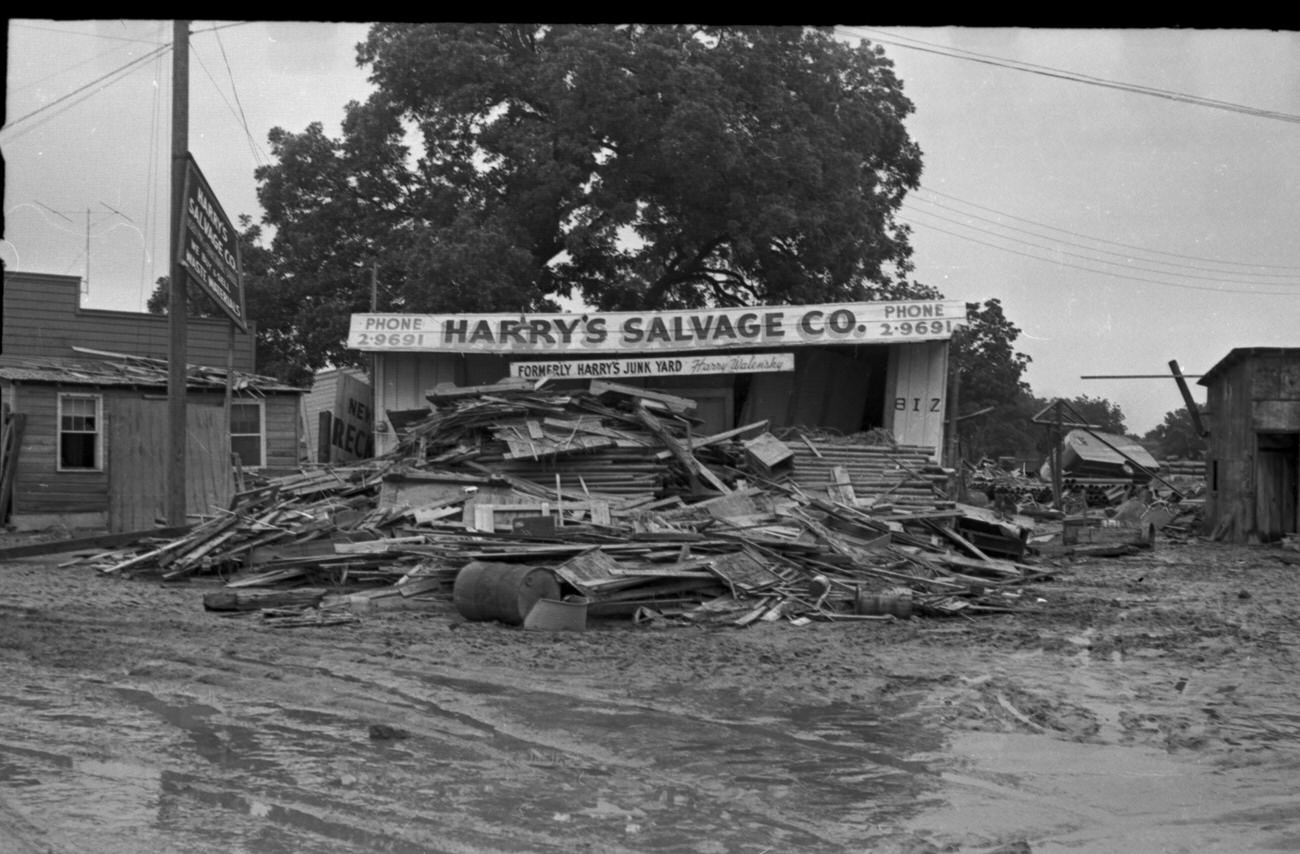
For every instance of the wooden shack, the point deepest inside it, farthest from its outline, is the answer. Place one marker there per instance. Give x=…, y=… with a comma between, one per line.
x=88, y=390
x=1253, y=457
x=844, y=367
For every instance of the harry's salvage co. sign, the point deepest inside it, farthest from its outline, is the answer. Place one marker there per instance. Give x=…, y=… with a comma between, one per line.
x=763, y=326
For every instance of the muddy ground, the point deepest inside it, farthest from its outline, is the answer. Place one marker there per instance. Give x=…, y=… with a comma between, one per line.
x=1144, y=703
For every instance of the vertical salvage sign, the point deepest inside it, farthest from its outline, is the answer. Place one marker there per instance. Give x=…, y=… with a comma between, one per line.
x=209, y=247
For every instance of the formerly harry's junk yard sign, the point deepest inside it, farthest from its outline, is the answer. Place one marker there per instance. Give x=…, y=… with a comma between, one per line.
x=674, y=366
x=718, y=328
x=209, y=247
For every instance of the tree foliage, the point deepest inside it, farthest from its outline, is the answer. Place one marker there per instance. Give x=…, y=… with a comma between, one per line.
x=502, y=167
x=1098, y=412
x=1175, y=437
x=282, y=345
x=989, y=375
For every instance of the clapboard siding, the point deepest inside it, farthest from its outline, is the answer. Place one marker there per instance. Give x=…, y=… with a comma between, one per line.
x=43, y=317
x=38, y=485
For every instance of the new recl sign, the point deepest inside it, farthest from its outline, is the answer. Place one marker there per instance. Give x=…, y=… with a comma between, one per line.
x=209, y=246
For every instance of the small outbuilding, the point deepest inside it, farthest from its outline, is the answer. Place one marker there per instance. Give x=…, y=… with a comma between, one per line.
x=84, y=396
x=1253, y=457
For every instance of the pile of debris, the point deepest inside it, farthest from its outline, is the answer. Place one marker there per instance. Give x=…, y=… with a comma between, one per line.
x=506, y=496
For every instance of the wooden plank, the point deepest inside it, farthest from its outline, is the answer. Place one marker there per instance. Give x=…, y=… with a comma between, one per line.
x=840, y=489
x=451, y=391
x=254, y=600
x=589, y=570
x=693, y=466
x=14, y=425
x=96, y=542
x=768, y=452
x=680, y=405
x=717, y=437
x=957, y=539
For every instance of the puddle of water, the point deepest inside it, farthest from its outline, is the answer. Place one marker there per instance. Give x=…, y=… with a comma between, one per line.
x=1085, y=798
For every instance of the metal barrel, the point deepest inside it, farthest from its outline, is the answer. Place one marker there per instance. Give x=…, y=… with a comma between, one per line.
x=505, y=592
x=897, y=604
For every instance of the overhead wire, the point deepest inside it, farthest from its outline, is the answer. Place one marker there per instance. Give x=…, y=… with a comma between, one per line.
x=153, y=183
x=24, y=25
x=1180, y=255
x=1244, y=269
x=1072, y=76
x=96, y=58
x=1058, y=262
x=116, y=74
x=1128, y=259
x=237, y=114
x=258, y=155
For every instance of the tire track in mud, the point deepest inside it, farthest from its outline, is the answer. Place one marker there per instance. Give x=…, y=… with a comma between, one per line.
x=829, y=753
x=486, y=766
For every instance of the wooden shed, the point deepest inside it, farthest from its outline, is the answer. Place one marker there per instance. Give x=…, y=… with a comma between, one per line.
x=88, y=390
x=843, y=367
x=1253, y=458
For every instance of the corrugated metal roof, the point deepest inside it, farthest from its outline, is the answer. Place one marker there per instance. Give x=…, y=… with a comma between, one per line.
x=123, y=370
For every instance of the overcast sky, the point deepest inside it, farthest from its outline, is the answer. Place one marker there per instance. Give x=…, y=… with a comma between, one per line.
x=1131, y=196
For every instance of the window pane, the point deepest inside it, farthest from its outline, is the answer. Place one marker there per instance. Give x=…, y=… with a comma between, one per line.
x=78, y=431
x=245, y=418
x=77, y=450
x=249, y=449
x=78, y=413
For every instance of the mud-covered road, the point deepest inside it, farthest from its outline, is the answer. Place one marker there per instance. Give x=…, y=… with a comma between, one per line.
x=1147, y=703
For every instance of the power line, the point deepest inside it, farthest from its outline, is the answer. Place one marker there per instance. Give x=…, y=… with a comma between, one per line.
x=243, y=119
x=152, y=183
x=1104, y=272
x=925, y=190
x=93, y=59
x=1074, y=77
x=1128, y=261
x=226, y=101
x=26, y=26
x=119, y=72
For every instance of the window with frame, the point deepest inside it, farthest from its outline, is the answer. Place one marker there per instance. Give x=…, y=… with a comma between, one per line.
x=80, y=445
x=247, y=436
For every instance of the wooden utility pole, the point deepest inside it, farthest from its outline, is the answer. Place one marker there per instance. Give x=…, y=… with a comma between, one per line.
x=176, y=309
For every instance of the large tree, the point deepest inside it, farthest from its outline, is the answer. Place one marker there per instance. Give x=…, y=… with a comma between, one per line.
x=500, y=167
x=992, y=394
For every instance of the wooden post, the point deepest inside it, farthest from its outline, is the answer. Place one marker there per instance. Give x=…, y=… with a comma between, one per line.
x=324, y=421
x=230, y=379
x=954, y=439
x=1056, y=458
x=176, y=310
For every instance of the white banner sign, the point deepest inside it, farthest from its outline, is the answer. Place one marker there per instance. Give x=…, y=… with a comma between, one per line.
x=652, y=366
x=649, y=331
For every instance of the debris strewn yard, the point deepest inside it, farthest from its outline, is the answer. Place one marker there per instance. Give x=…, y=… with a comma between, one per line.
x=760, y=641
